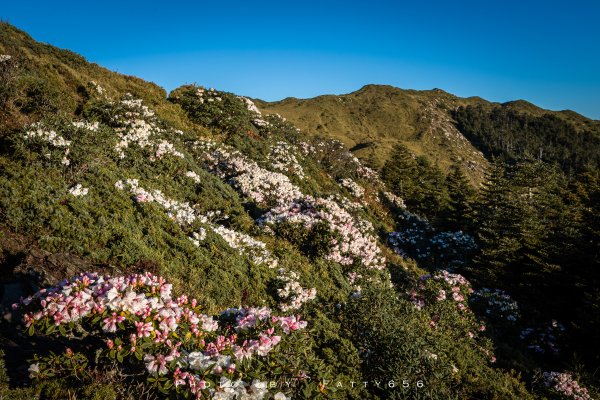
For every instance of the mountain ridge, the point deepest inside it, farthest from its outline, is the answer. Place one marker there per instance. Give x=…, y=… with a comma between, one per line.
x=422, y=120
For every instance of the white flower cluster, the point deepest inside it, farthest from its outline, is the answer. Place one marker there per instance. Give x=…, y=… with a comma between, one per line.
x=198, y=237
x=394, y=200
x=229, y=390
x=253, y=181
x=255, y=249
x=250, y=106
x=451, y=245
x=293, y=295
x=545, y=338
x=419, y=240
x=283, y=159
x=37, y=131
x=183, y=213
x=90, y=126
x=210, y=95
x=99, y=89
x=347, y=204
x=78, y=190
x=354, y=188
x=5, y=57
x=138, y=125
x=165, y=147
x=306, y=148
x=497, y=303
x=193, y=176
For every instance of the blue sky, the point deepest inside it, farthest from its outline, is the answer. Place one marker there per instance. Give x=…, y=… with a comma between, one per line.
x=546, y=52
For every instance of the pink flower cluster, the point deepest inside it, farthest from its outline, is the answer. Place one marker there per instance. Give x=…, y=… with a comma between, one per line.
x=133, y=298
x=454, y=286
x=563, y=383
x=141, y=320
x=353, y=240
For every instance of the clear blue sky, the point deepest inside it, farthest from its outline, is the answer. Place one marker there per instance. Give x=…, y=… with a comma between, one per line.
x=547, y=52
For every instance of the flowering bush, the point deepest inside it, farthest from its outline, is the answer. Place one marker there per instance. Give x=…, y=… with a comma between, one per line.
x=181, y=349
x=78, y=190
x=262, y=186
x=212, y=108
x=184, y=214
x=444, y=297
x=351, y=239
x=283, y=159
x=543, y=339
x=180, y=212
x=496, y=304
x=564, y=384
x=441, y=286
x=276, y=125
x=39, y=133
x=292, y=295
x=337, y=160
x=354, y=188
x=394, y=200
x=136, y=124
x=418, y=239
x=255, y=249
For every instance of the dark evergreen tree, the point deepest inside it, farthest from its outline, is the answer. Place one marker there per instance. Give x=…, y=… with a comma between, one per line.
x=497, y=228
x=430, y=196
x=400, y=171
x=459, y=213
x=420, y=184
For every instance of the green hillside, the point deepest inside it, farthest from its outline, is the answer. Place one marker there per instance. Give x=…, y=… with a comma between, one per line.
x=196, y=245
x=373, y=119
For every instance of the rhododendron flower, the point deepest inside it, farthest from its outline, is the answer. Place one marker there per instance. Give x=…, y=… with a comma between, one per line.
x=110, y=323
x=157, y=364
x=144, y=328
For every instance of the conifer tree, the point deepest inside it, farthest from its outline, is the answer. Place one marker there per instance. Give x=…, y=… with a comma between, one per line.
x=497, y=228
x=459, y=213
x=400, y=171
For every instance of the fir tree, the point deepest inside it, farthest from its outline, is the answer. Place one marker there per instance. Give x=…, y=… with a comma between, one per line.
x=497, y=230
x=459, y=213
x=400, y=171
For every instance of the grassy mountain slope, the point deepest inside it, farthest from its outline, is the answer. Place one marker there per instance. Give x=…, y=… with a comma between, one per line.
x=57, y=80
x=371, y=120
